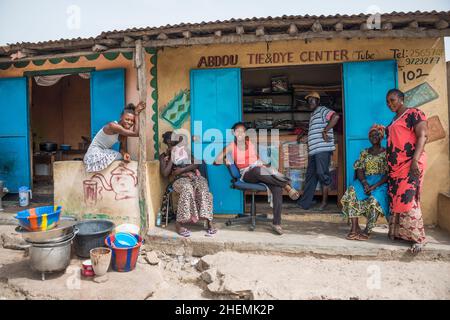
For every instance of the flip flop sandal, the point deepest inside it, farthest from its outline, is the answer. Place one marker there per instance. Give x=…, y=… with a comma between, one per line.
x=278, y=230
x=361, y=237
x=185, y=233
x=416, y=248
x=210, y=232
x=351, y=236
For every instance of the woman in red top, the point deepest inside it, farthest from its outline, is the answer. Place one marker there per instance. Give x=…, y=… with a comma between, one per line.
x=406, y=138
x=253, y=170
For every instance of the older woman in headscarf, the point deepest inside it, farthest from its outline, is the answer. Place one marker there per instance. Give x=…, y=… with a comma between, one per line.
x=367, y=196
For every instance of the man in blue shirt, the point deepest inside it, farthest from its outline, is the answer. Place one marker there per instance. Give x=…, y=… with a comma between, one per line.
x=320, y=149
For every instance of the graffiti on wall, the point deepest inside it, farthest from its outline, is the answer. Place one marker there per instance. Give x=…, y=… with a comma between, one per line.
x=122, y=182
x=177, y=110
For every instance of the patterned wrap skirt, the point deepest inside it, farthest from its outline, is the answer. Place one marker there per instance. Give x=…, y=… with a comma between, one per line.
x=356, y=203
x=97, y=159
x=195, y=201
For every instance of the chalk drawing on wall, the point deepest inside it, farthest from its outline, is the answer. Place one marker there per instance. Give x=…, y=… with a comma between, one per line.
x=419, y=95
x=122, y=182
x=176, y=111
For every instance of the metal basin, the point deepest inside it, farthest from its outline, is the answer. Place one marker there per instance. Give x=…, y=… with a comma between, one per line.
x=50, y=257
x=92, y=234
x=58, y=234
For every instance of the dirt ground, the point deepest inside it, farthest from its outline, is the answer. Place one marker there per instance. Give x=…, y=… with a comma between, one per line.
x=228, y=275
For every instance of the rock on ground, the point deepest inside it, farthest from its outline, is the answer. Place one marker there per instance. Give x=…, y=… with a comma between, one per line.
x=152, y=258
x=12, y=241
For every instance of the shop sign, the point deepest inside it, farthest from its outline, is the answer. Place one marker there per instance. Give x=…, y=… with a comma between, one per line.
x=218, y=61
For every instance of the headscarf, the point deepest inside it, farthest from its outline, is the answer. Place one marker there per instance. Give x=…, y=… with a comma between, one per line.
x=379, y=128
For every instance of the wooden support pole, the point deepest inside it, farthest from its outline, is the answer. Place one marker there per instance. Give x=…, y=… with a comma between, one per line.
x=99, y=48
x=128, y=39
x=413, y=24
x=364, y=26
x=17, y=55
x=316, y=27
x=5, y=49
x=339, y=26
x=240, y=30
x=23, y=53
x=441, y=24
x=293, y=30
x=187, y=34
x=259, y=31
x=142, y=149
x=108, y=42
x=162, y=36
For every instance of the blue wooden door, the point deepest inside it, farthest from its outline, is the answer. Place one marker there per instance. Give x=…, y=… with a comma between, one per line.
x=14, y=134
x=216, y=104
x=107, y=98
x=365, y=88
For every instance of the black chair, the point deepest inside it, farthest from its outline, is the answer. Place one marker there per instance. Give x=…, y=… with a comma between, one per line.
x=238, y=184
x=167, y=210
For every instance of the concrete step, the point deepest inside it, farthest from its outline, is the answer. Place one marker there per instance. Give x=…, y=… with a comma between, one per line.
x=7, y=218
x=318, y=239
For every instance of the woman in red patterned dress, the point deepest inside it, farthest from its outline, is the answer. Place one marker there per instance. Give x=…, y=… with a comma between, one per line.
x=406, y=138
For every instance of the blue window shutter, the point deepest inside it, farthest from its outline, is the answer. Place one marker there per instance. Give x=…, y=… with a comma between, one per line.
x=14, y=134
x=216, y=101
x=107, y=98
x=365, y=88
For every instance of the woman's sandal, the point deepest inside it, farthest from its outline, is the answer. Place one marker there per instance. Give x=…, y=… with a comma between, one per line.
x=357, y=236
x=210, y=232
x=416, y=248
x=277, y=229
x=351, y=236
x=362, y=237
x=184, y=233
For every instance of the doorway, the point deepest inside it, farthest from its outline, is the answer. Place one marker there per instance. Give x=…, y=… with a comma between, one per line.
x=274, y=98
x=60, y=125
x=70, y=109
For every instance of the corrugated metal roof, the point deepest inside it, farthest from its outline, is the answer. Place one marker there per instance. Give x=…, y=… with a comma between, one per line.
x=206, y=27
x=280, y=18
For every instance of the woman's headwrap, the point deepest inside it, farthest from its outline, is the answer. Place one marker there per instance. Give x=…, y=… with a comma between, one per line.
x=379, y=128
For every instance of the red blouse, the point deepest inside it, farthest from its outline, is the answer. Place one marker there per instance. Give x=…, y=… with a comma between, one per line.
x=242, y=158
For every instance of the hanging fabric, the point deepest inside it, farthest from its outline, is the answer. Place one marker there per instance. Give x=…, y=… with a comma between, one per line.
x=85, y=75
x=49, y=80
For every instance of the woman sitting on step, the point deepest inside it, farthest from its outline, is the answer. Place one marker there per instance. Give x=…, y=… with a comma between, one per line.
x=367, y=196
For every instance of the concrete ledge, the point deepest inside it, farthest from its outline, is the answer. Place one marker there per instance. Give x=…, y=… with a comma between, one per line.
x=444, y=211
x=316, y=239
x=110, y=194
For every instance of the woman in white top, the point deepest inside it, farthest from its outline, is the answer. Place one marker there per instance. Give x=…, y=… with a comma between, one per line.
x=100, y=155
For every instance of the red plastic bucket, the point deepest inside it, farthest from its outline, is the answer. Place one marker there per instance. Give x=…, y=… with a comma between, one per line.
x=124, y=259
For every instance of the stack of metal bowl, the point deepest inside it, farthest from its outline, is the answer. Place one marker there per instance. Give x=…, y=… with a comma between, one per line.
x=50, y=250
